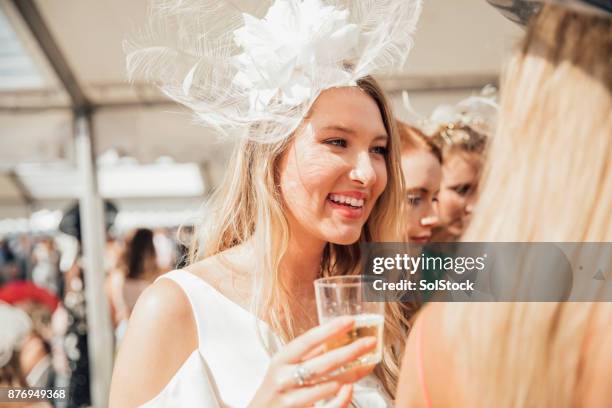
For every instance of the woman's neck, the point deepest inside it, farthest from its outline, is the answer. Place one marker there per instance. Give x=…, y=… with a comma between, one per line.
x=301, y=264
x=299, y=267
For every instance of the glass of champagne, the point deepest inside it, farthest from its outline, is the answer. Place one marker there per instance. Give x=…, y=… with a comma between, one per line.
x=344, y=295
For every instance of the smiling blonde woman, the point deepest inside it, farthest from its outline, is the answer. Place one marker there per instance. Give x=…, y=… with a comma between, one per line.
x=315, y=172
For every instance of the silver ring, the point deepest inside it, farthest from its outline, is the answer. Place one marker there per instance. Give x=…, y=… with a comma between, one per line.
x=301, y=375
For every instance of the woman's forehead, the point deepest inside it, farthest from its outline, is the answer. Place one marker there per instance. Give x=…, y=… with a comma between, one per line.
x=348, y=107
x=421, y=168
x=464, y=162
x=459, y=169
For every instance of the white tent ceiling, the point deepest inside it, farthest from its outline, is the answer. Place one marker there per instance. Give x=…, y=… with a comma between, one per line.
x=459, y=47
x=458, y=44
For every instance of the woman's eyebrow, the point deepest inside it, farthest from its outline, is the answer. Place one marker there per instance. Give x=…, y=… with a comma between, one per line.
x=350, y=131
x=381, y=137
x=421, y=190
x=340, y=129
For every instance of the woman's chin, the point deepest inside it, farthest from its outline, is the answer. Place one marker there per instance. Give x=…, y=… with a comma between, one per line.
x=346, y=238
x=455, y=230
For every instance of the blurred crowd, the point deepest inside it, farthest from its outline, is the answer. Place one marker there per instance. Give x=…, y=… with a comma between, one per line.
x=43, y=341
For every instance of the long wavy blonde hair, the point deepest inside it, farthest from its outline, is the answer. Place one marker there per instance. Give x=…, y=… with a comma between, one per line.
x=248, y=206
x=550, y=168
x=549, y=178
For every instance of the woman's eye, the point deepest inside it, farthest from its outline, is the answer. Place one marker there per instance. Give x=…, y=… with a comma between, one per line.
x=414, y=200
x=336, y=142
x=463, y=189
x=382, y=150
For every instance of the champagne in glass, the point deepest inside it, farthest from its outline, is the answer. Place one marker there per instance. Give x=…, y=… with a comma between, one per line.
x=342, y=296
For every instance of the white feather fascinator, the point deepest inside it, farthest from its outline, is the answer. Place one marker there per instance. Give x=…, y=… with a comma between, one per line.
x=254, y=68
x=478, y=112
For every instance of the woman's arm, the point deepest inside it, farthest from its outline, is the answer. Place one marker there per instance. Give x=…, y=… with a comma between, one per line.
x=113, y=287
x=161, y=335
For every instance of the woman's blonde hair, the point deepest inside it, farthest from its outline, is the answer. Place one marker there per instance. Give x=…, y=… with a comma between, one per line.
x=547, y=179
x=249, y=206
x=459, y=138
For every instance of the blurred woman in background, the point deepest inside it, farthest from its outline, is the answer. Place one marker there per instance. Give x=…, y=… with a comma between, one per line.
x=138, y=268
x=548, y=179
x=462, y=149
x=422, y=170
x=16, y=327
x=15, y=340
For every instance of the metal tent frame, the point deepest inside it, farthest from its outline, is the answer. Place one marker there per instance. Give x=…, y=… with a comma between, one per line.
x=100, y=340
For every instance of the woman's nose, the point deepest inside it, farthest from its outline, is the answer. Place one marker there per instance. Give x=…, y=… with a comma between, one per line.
x=430, y=221
x=363, y=171
x=469, y=208
x=430, y=217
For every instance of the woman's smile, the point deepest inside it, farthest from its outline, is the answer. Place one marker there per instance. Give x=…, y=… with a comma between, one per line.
x=348, y=204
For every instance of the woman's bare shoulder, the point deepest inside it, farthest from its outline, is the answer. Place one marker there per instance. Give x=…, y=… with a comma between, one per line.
x=151, y=352
x=164, y=300
x=425, y=354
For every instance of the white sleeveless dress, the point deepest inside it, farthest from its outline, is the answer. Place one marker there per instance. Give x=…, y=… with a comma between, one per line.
x=230, y=362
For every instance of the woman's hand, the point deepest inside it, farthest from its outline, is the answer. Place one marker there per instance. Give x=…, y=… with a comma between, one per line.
x=298, y=375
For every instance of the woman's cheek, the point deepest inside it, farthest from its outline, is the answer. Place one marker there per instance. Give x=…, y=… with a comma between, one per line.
x=446, y=205
x=458, y=207
x=381, y=177
x=412, y=221
x=315, y=167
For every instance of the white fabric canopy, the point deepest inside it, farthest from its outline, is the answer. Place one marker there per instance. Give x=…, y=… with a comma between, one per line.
x=459, y=46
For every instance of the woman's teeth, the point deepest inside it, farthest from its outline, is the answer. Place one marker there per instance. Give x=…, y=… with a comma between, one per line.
x=340, y=199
